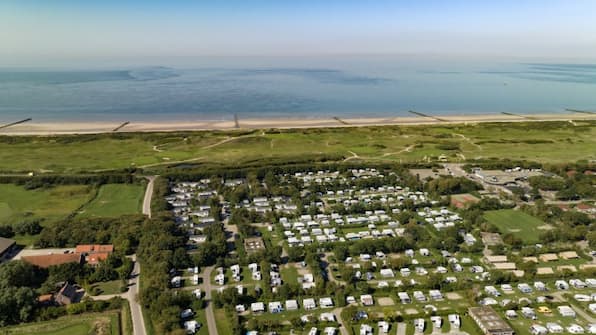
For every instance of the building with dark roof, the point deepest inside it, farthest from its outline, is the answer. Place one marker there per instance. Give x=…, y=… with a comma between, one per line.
x=7, y=246
x=67, y=295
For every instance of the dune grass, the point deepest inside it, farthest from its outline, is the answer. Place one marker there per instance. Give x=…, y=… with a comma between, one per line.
x=544, y=142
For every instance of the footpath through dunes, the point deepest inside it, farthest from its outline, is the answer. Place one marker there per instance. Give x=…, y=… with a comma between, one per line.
x=551, y=142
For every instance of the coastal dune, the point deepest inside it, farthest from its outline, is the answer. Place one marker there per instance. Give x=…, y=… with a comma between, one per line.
x=94, y=127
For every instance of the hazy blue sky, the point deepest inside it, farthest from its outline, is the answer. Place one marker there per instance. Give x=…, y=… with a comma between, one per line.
x=44, y=32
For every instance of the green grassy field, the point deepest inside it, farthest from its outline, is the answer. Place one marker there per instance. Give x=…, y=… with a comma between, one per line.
x=108, y=287
x=70, y=325
x=519, y=223
x=114, y=200
x=17, y=203
x=548, y=142
x=50, y=204
x=222, y=322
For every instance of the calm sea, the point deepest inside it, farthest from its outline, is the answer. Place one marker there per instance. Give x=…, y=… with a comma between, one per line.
x=362, y=89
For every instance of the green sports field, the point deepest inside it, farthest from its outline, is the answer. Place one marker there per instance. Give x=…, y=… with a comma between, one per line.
x=519, y=223
x=114, y=200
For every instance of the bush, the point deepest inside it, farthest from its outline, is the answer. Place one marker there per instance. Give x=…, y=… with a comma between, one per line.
x=29, y=227
x=6, y=231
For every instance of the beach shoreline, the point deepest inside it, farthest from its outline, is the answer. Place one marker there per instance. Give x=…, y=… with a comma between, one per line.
x=96, y=127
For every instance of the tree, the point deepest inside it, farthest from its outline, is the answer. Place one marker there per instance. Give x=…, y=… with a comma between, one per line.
x=6, y=231
x=29, y=227
x=19, y=273
x=591, y=237
x=296, y=322
x=16, y=304
x=296, y=254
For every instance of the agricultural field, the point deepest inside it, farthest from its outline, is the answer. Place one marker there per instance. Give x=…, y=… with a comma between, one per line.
x=106, y=323
x=521, y=224
x=551, y=142
x=114, y=200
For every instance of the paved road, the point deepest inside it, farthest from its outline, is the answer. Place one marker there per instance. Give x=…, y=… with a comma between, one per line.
x=148, y=195
x=138, y=323
x=342, y=326
x=211, y=326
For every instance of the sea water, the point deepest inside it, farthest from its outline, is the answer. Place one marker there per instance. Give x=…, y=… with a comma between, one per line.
x=295, y=90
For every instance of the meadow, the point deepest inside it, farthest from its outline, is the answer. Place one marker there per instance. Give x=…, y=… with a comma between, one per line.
x=114, y=200
x=547, y=142
x=49, y=205
x=523, y=225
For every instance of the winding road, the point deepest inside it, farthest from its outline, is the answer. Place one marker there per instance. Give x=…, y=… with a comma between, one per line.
x=148, y=195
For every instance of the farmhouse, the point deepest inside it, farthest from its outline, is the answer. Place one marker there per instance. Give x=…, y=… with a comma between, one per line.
x=489, y=321
x=67, y=295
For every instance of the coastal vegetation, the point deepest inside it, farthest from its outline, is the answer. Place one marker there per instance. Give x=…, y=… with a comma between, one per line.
x=550, y=142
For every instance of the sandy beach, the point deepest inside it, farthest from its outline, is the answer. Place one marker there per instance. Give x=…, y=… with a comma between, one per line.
x=55, y=128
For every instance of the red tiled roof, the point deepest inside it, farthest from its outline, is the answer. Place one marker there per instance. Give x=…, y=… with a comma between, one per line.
x=93, y=248
x=44, y=261
x=97, y=257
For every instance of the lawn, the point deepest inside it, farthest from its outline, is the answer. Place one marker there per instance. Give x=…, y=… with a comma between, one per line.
x=108, y=287
x=552, y=142
x=114, y=200
x=519, y=223
x=202, y=319
x=222, y=322
x=70, y=325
